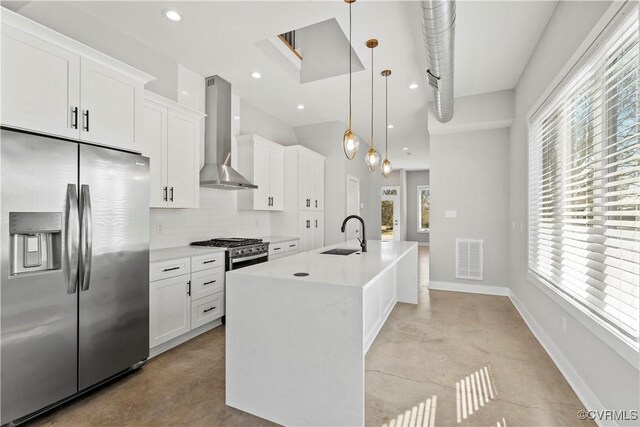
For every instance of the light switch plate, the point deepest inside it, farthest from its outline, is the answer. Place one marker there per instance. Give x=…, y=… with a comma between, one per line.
x=450, y=214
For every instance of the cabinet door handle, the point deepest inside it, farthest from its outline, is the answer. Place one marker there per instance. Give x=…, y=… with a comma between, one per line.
x=209, y=261
x=308, y=223
x=189, y=288
x=316, y=203
x=209, y=309
x=292, y=246
x=316, y=223
x=171, y=194
x=208, y=283
x=171, y=269
x=165, y=194
x=86, y=120
x=74, y=122
x=308, y=203
x=276, y=249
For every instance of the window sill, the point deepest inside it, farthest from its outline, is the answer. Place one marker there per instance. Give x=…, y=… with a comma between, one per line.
x=611, y=337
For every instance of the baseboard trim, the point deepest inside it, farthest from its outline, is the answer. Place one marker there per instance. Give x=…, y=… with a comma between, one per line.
x=159, y=349
x=469, y=288
x=582, y=390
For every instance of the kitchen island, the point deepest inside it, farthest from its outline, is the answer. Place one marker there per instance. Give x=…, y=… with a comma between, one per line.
x=298, y=330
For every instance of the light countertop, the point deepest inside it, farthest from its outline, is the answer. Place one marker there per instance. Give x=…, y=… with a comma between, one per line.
x=278, y=239
x=165, y=254
x=357, y=269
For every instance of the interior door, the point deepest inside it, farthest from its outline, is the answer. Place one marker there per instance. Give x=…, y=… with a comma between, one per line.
x=113, y=325
x=183, y=161
x=353, y=207
x=276, y=178
x=40, y=85
x=39, y=309
x=155, y=147
x=261, y=160
x=390, y=213
x=111, y=103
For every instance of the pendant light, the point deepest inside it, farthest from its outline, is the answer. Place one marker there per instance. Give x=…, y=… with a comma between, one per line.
x=350, y=143
x=372, y=158
x=386, y=165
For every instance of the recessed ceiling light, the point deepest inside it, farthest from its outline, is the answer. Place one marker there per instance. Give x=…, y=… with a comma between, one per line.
x=184, y=92
x=236, y=117
x=413, y=86
x=405, y=148
x=390, y=126
x=300, y=107
x=172, y=15
x=256, y=75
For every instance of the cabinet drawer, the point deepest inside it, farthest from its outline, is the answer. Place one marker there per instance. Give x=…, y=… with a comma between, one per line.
x=206, y=309
x=291, y=246
x=276, y=249
x=207, y=262
x=291, y=252
x=207, y=282
x=166, y=269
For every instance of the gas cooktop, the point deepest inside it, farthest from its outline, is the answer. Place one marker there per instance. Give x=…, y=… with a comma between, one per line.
x=229, y=242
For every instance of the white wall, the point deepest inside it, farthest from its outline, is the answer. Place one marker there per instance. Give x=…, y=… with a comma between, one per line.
x=255, y=120
x=470, y=174
x=601, y=377
x=414, y=179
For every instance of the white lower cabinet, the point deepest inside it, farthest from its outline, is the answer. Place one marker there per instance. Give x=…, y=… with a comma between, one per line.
x=282, y=249
x=184, y=295
x=169, y=309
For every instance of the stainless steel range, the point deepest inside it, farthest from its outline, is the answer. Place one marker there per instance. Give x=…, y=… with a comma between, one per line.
x=240, y=252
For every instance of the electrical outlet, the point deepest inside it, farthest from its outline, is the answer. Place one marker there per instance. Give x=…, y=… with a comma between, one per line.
x=159, y=228
x=451, y=214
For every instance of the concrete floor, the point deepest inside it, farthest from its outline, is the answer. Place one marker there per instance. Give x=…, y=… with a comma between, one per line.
x=455, y=359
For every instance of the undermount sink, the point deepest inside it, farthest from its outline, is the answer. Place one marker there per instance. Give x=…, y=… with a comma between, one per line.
x=339, y=251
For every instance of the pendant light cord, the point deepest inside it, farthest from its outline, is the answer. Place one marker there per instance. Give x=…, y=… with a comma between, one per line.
x=372, y=97
x=386, y=116
x=350, y=59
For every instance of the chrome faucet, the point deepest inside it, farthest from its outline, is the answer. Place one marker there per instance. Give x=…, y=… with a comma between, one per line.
x=363, y=242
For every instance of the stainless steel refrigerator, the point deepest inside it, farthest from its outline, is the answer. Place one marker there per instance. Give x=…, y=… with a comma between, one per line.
x=75, y=268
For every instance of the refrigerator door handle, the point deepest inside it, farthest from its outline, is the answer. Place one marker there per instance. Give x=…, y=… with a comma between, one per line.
x=72, y=238
x=85, y=238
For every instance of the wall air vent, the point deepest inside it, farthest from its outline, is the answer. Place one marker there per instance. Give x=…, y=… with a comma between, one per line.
x=469, y=259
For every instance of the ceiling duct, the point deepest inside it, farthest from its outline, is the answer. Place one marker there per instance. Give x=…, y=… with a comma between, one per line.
x=438, y=29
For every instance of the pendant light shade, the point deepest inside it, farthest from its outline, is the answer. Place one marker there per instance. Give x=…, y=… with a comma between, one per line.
x=373, y=157
x=350, y=143
x=386, y=164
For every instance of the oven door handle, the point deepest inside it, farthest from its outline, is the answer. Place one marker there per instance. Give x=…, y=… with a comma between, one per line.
x=249, y=258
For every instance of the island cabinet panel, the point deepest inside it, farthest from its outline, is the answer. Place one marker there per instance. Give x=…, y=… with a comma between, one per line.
x=296, y=345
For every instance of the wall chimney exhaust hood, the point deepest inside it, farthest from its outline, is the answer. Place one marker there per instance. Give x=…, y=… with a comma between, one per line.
x=217, y=171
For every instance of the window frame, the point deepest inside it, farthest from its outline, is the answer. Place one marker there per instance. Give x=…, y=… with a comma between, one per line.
x=617, y=12
x=420, y=188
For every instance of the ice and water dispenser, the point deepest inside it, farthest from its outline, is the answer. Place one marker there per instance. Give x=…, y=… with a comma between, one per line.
x=36, y=241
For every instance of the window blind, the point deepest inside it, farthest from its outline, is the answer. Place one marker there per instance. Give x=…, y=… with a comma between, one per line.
x=584, y=181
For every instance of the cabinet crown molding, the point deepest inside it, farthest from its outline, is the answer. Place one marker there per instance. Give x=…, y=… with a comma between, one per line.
x=36, y=29
x=169, y=103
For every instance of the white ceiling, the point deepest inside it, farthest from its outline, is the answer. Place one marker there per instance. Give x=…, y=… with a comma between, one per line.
x=494, y=40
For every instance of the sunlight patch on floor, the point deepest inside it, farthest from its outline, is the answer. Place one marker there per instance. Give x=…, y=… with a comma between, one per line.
x=421, y=415
x=473, y=392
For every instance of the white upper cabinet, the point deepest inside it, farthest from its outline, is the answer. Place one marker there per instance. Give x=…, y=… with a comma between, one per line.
x=40, y=90
x=311, y=187
x=172, y=140
x=261, y=161
x=111, y=107
x=55, y=85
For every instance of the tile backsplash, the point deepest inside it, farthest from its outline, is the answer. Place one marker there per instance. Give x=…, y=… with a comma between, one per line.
x=217, y=216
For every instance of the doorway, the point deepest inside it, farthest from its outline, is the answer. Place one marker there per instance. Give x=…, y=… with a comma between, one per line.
x=390, y=213
x=353, y=207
